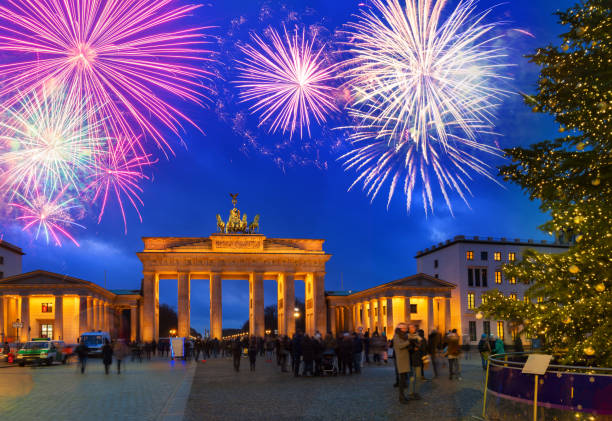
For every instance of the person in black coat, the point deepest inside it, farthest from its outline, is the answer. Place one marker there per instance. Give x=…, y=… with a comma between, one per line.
x=308, y=354
x=358, y=346
x=236, y=353
x=107, y=355
x=82, y=352
x=346, y=353
x=296, y=352
x=433, y=344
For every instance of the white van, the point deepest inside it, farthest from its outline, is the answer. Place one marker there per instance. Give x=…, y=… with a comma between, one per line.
x=95, y=341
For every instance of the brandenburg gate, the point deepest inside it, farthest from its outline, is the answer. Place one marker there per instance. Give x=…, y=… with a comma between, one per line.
x=236, y=252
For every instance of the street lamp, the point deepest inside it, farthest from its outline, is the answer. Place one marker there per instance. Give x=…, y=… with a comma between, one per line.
x=172, y=332
x=296, y=313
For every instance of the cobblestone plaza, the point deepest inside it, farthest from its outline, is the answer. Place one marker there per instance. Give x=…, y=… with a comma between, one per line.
x=162, y=390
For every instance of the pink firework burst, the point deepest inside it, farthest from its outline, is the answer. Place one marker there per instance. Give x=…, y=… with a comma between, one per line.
x=119, y=52
x=286, y=81
x=117, y=175
x=47, y=216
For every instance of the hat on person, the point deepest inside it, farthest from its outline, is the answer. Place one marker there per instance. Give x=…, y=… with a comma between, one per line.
x=483, y=336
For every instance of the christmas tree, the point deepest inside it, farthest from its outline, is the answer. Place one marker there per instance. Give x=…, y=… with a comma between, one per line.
x=569, y=302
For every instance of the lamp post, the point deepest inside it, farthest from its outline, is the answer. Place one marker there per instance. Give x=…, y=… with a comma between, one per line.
x=172, y=332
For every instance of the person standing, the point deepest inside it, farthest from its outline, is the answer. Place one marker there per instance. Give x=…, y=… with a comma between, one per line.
x=499, y=346
x=401, y=353
x=452, y=353
x=346, y=353
x=366, y=348
x=308, y=355
x=296, y=352
x=120, y=351
x=236, y=353
x=253, y=350
x=433, y=344
x=153, y=347
x=484, y=348
x=82, y=352
x=107, y=355
x=358, y=346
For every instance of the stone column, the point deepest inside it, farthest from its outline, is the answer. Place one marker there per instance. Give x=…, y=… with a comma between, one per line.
x=390, y=327
x=90, y=314
x=184, y=306
x=332, y=320
x=133, y=322
x=256, y=304
x=381, y=316
x=83, y=314
x=319, y=305
x=216, y=310
x=447, y=314
x=286, y=304
x=58, y=325
x=100, y=315
x=350, y=324
x=372, y=316
x=150, y=321
x=25, y=318
x=430, y=316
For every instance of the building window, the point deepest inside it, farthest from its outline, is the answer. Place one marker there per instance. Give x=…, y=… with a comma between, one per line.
x=498, y=278
x=436, y=263
x=477, y=277
x=484, y=255
x=47, y=308
x=413, y=309
x=436, y=276
x=486, y=327
x=472, y=325
x=1, y=275
x=540, y=299
x=469, y=255
x=513, y=296
x=470, y=277
x=497, y=256
x=525, y=298
x=484, y=278
x=512, y=280
x=1, y=260
x=511, y=257
x=483, y=299
x=46, y=331
x=471, y=303
x=500, y=330
x=514, y=333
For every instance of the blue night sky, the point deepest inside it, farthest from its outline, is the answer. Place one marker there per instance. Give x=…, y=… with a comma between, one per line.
x=298, y=187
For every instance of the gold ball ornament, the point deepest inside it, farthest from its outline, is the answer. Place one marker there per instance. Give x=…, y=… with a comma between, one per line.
x=577, y=219
x=602, y=106
x=479, y=315
x=574, y=269
x=580, y=146
x=589, y=351
x=596, y=182
x=600, y=287
x=565, y=47
x=579, y=238
x=567, y=320
x=561, y=129
x=580, y=31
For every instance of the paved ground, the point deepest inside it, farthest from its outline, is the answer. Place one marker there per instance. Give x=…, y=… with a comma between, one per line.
x=155, y=390
x=218, y=393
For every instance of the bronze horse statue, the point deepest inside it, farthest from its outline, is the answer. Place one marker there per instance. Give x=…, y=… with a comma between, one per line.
x=254, y=227
x=220, y=224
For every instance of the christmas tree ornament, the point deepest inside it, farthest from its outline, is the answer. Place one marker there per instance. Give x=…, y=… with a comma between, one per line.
x=600, y=287
x=574, y=269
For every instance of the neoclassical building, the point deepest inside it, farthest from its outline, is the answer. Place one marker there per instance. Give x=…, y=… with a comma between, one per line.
x=45, y=304
x=419, y=298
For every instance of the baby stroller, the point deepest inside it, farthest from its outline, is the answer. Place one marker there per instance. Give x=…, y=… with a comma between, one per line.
x=328, y=363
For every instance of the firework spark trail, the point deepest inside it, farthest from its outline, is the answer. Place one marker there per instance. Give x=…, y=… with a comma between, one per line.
x=287, y=81
x=115, y=51
x=48, y=143
x=47, y=215
x=424, y=89
x=117, y=174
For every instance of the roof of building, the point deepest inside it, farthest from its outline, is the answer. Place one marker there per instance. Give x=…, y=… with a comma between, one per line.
x=11, y=247
x=418, y=280
x=125, y=291
x=490, y=240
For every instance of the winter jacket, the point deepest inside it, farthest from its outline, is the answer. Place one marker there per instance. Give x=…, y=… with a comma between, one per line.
x=401, y=350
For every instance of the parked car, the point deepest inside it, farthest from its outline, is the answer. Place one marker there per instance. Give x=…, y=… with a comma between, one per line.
x=95, y=342
x=39, y=351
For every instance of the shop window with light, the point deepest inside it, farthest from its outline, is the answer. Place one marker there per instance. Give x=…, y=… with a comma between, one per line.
x=511, y=257
x=469, y=255
x=470, y=301
x=486, y=327
x=413, y=308
x=497, y=256
x=472, y=325
x=512, y=280
x=500, y=330
x=46, y=331
x=498, y=277
x=513, y=296
x=47, y=308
